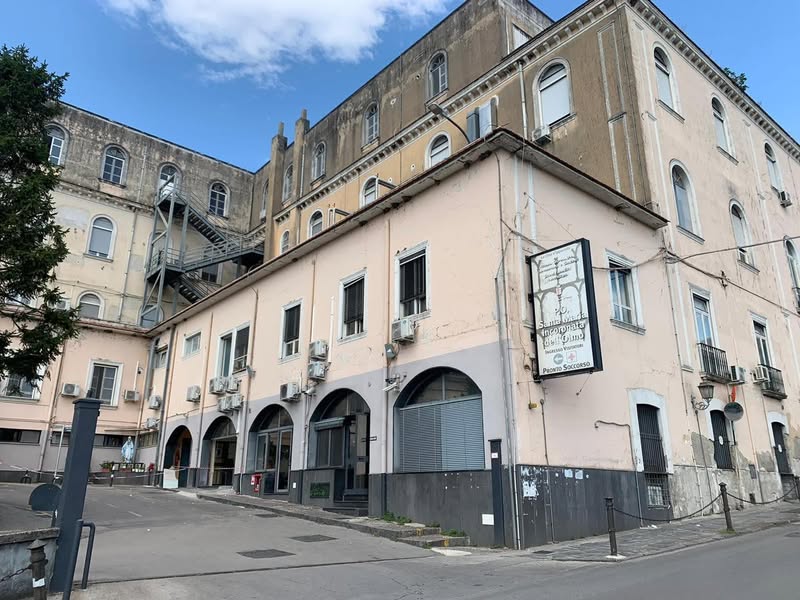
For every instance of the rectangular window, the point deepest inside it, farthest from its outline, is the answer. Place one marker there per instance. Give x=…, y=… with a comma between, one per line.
x=330, y=443
x=59, y=438
x=518, y=37
x=19, y=436
x=225, y=354
x=161, y=358
x=702, y=320
x=623, y=292
x=191, y=344
x=353, y=307
x=15, y=386
x=762, y=343
x=719, y=128
x=413, y=285
x=233, y=348
x=664, y=83
x=482, y=120
x=291, y=331
x=240, y=349
x=103, y=383
x=210, y=274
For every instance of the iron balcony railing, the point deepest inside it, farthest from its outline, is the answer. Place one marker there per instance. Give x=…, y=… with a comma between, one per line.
x=773, y=385
x=714, y=363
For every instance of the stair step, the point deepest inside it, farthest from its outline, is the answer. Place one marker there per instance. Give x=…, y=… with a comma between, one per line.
x=435, y=540
x=353, y=511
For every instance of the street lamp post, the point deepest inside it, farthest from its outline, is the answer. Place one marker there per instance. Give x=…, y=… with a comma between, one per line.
x=439, y=112
x=706, y=393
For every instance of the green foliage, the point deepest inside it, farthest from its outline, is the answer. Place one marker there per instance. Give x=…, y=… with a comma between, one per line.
x=392, y=518
x=740, y=79
x=454, y=533
x=31, y=243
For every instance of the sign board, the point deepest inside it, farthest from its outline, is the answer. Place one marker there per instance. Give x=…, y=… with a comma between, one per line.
x=564, y=311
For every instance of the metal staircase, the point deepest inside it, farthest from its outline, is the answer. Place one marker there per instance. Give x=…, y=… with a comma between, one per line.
x=180, y=267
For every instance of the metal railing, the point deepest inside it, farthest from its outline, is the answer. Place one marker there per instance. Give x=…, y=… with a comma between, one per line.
x=195, y=284
x=773, y=386
x=796, y=291
x=714, y=363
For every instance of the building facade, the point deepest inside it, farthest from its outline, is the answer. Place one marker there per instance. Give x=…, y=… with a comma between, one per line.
x=298, y=377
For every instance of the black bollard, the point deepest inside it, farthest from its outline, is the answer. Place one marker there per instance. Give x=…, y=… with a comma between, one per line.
x=723, y=488
x=612, y=527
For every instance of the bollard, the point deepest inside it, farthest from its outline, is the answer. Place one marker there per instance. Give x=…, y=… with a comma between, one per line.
x=38, y=562
x=612, y=529
x=723, y=488
x=111, y=480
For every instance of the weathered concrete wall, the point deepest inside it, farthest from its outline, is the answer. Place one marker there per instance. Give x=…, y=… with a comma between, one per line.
x=14, y=554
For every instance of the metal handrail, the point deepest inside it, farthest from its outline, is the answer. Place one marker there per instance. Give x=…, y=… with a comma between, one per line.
x=189, y=199
x=774, y=382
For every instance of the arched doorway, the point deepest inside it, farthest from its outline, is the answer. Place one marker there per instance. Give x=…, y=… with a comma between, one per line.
x=340, y=441
x=439, y=424
x=178, y=453
x=221, y=460
x=271, y=436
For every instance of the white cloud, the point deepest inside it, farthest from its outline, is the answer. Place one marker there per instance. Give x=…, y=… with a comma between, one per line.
x=261, y=38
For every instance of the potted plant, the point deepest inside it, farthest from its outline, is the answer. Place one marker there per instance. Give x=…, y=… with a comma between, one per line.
x=105, y=467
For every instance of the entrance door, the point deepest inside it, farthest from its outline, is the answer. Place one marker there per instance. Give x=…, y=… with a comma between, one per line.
x=186, y=449
x=224, y=461
x=357, y=455
x=278, y=450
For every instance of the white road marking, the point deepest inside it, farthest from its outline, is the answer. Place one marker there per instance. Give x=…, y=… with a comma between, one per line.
x=111, y=505
x=135, y=514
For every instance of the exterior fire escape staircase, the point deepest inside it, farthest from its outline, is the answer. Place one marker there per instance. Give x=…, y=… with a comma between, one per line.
x=171, y=263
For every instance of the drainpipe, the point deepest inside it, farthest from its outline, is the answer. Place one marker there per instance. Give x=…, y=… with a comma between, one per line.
x=53, y=402
x=168, y=369
x=522, y=97
x=148, y=382
x=386, y=397
x=250, y=374
x=204, y=384
x=127, y=267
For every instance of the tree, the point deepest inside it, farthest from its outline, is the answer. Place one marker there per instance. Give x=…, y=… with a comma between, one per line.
x=31, y=242
x=740, y=79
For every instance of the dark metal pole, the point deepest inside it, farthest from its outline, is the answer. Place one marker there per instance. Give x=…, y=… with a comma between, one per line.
x=87, y=561
x=612, y=527
x=38, y=562
x=797, y=487
x=723, y=488
x=73, y=491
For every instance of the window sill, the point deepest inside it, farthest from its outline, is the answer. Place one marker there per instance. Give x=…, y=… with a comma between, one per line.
x=418, y=316
x=352, y=338
x=562, y=121
x=107, y=182
x=213, y=214
x=628, y=326
x=100, y=258
x=748, y=266
x=18, y=399
x=671, y=110
x=436, y=98
x=727, y=155
x=316, y=181
x=691, y=235
x=687, y=368
x=370, y=145
x=110, y=406
x=286, y=359
x=191, y=354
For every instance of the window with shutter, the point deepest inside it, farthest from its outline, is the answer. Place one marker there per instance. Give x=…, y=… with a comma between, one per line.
x=291, y=331
x=353, y=308
x=413, y=298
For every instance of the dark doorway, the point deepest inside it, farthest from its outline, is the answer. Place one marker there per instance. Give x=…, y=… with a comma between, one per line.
x=178, y=454
x=221, y=438
x=272, y=431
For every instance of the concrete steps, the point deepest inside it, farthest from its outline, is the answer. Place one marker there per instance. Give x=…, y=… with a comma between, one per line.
x=435, y=540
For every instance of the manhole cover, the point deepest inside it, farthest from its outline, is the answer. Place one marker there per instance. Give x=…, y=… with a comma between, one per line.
x=266, y=515
x=793, y=534
x=542, y=551
x=268, y=553
x=313, y=538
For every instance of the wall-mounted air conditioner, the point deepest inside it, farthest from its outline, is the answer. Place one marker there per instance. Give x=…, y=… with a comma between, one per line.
x=235, y=401
x=318, y=350
x=218, y=385
x=71, y=389
x=738, y=374
x=541, y=135
x=131, y=396
x=403, y=330
x=233, y=385
x=193, y=393
x=786, y=199
x=290, y=392
x=224, y=405
x=151, y=423
x=316, y=370
x=760, y=374
x=154, y=402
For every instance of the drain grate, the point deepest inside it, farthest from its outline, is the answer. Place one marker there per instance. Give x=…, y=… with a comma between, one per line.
x=267, y=553
x=313, y=538
x=267, y=515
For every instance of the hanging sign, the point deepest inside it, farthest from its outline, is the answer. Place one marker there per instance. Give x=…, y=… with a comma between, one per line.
x=564, y=311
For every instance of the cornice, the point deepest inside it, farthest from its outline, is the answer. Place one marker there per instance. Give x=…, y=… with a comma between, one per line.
x=96, y=195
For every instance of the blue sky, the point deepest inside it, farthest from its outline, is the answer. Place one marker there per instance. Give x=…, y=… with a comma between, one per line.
x=192, y=85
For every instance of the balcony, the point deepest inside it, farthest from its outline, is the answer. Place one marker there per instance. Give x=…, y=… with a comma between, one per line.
x=714, y=363
x=773, y=385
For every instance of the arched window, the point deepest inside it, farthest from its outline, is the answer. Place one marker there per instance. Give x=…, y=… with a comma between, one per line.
x=741, y=233
x=339, y=439
x=371, y=123
x=288, y=178
x=794, y=268
x=450, y=400
x=318, y=165
x=218, y=199
x=114, y=165
x=101, y=237
x=554, y=94
x=315, y=223
x=772, y=167
x=264, y=202
x=437, y=74
x=720, y=125
x=683, y=199
x=664, y=78
x=369, y=192
x=90, y=305
x=169, y=178
x=56, y=143
x=438, y=150
x=151, y=315
x=284, y=242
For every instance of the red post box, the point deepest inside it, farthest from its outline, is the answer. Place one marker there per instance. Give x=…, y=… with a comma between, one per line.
x=255, y=481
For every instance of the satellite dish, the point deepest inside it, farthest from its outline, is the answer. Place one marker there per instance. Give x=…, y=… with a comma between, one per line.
x=733, y=411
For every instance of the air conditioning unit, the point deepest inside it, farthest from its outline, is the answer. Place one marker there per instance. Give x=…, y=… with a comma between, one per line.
x=131, y=396
x=541, y=135
x=233, y=385
x=760, y=374
x=154, y=402
x=318, y=350
x=224, y=405
x=403, y=330
x=151, y=423
x=290, y=392
x=316, y=370
x=738, y=374
x=71, y=389
x=193, y=393
x=218, y=385
x=786, y=199
x=235, y=401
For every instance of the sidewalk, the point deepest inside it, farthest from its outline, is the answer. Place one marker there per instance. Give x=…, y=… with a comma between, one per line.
x=668, y=537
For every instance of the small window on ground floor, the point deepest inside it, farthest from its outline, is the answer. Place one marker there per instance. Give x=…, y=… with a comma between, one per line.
x=19, y=436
